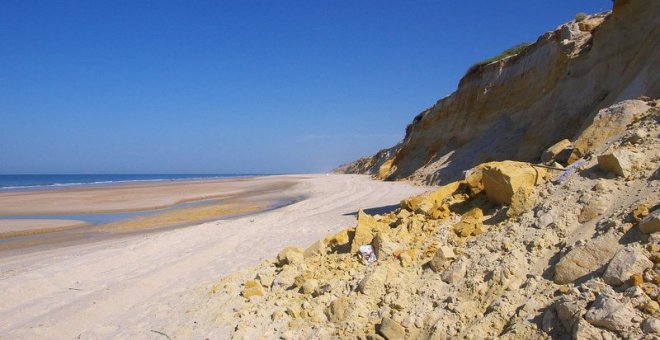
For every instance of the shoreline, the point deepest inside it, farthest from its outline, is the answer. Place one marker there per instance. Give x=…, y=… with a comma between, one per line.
x=31, y=232
x=118, y=287
x=129, y=197
x=109, y=183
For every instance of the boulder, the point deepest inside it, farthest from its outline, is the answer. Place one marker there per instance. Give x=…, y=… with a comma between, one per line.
x=606, y=124
x=618, y=162
x=471, y=223
x=624, y=264
x=650, y=223
x=290, y=255
x=253, y=288
x=444, y=192
x=442, y=255
x=366, y=229
x=391, y=330
x=383, y=246
x=609, y=313
x=501, y=180
x=559, y=152
x=585, y=259
x=317, y=248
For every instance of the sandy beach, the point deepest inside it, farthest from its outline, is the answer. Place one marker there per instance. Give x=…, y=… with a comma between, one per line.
x=139, y=284
x=72, y=215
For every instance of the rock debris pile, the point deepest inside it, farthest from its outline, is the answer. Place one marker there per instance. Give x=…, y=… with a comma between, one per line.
x=513, y=250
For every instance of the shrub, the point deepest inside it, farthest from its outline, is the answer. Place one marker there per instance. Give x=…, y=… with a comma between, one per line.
x=512, y=51
x=580, y=16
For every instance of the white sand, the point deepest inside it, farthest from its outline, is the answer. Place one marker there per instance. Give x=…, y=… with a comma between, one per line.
x=131, y=286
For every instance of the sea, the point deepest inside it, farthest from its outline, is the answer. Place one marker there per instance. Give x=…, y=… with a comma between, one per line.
x=36, y=182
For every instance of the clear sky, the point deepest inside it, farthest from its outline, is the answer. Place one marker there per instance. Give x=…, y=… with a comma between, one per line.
x=237, y=86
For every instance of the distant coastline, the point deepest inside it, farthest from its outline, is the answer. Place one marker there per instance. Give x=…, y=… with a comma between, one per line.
x=45, y=181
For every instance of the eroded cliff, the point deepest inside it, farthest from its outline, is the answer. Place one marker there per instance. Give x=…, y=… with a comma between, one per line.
x=516, y=107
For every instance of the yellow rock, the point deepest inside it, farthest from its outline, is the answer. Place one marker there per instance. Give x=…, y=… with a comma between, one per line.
x=641, y=212
x=470, y=224
x=473, y=179
x=253, y=288
x=290, y=255
x=501, y=180
x=522, y=200
x=444, y=192
x=384, y=169
x=366, y=229
x=317, y=248
x=560, y=152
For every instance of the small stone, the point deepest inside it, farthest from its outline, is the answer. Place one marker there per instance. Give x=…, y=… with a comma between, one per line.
x=442, y=255
x=624, y=264
x=636, y=280
x=651, y=307
x=544, y=221
x=601, y=186
x=373, y=284
x=383, y=246
x=637, y=136
x=253, y=288
x=568, y=313
x=405, y=259
x=455, y=273
x=593, y=209
x=338, y=310
x=293, y=311
x=391, y=330
x=471, y=223
x=310, y=286
x=651, y=325
x=640, y=212
x=277, y=315
x=650, y=223
x=290, y=255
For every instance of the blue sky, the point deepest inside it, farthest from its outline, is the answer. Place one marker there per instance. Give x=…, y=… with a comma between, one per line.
x=236, y=86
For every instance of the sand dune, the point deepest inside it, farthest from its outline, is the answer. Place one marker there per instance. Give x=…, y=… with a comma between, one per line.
x=133, y=286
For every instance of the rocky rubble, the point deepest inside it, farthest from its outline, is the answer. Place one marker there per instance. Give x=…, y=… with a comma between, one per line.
x=505, y=252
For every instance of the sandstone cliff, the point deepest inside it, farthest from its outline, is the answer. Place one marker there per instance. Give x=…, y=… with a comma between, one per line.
x=516, y=107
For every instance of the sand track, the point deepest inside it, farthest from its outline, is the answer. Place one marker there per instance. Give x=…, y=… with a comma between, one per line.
x=131, y=286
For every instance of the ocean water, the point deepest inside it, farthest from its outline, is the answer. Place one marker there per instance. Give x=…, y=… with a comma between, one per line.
x=28, y=182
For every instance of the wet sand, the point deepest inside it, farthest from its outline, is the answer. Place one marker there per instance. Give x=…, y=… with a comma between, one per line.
x=23, y=227
x=132, y=197
x=159, y=206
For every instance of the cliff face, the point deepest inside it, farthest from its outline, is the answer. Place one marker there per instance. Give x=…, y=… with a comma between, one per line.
x=516, y=107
